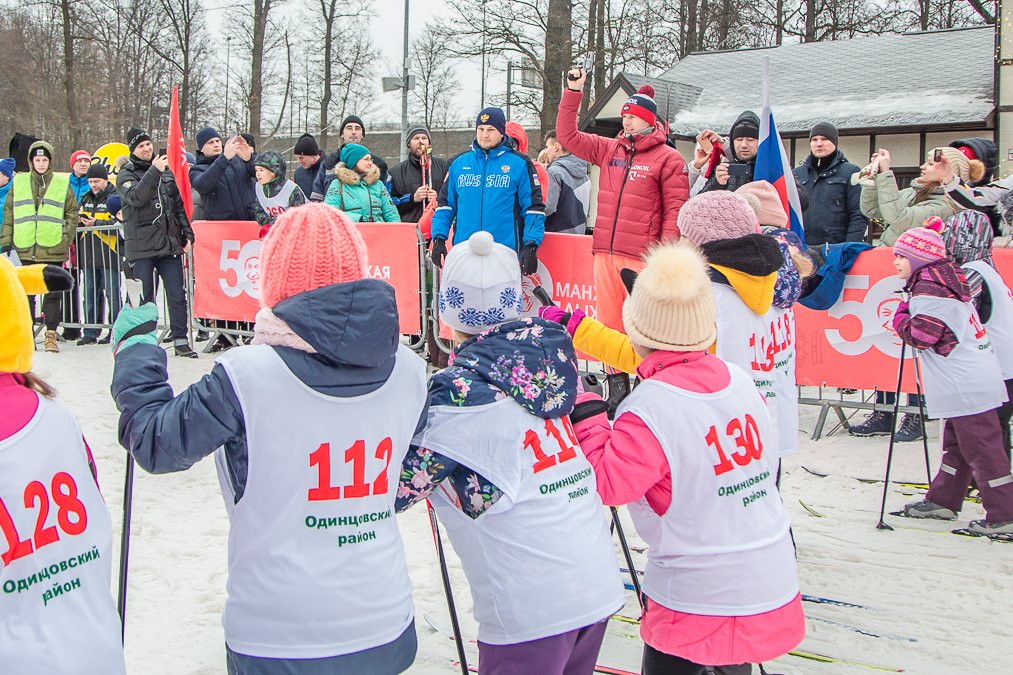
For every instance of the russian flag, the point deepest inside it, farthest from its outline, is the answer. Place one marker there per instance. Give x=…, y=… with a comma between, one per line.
x=772, y=162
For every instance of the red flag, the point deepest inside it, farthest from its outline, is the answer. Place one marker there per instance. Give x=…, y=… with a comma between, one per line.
x=177, y=157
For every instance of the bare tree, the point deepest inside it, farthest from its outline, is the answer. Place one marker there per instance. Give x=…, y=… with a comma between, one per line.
x=437, y=85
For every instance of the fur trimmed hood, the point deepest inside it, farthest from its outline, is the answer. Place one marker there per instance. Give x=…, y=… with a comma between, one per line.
x=352, y=177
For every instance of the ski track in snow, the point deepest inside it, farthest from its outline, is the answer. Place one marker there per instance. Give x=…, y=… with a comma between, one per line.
x=953, y=594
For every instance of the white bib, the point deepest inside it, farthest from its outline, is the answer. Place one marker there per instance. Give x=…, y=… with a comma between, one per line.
x=316, y=563
x=277, y=205
x=968, y=380
x=1000, y=323
x=540, y=562
x=723, y=547
x=57, y=615
x=781, y=333
x=744, y=340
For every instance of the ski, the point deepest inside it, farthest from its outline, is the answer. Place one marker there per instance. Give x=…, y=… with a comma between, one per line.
x=863, y=631
x=1006, y=537
x=471, y=669
x=442, y=631
x=816, y=513
x=612, y=671
x=837, y=603
x=625, y=619
x=823, y=658
x=922, y=486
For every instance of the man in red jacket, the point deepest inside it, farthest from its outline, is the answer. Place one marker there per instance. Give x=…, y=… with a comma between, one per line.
x=641, y=187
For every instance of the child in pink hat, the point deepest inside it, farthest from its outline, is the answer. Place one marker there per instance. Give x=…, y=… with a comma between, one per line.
x=309, y=426
x=963, y=383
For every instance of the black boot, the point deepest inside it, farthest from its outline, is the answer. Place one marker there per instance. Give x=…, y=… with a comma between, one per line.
x=619, y=388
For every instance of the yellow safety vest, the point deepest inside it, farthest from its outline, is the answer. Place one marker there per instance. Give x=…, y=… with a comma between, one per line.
x=43, y=227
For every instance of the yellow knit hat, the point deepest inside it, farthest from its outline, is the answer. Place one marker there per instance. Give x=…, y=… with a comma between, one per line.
x=672, y=304
x=16, y=341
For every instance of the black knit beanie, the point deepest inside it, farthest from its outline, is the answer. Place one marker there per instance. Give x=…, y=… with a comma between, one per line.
x=135, y=137
x=98, y=170
x=307, y=145
x=825, y=129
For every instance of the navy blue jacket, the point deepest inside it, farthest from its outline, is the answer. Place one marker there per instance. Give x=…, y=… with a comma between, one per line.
x=834, y=215
x=353, y=326
x=226, y=186
x=304, y=177
x=493, y=190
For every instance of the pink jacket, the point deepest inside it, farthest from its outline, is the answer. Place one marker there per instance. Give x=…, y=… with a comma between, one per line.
x=629, y=463
x=641, y=187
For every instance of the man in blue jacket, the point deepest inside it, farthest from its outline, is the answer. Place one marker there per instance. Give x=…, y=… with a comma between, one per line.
x=494, y=188
x=223, y=176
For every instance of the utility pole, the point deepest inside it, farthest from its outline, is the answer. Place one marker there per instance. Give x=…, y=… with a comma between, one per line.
x=404, y=90
x=510, y=73
x=228, y=45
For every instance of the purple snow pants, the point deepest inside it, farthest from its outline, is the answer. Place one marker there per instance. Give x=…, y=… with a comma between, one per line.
x=972, y=445
x=573, y=653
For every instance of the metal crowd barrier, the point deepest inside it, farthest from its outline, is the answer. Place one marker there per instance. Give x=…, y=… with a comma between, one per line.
x=99, y=293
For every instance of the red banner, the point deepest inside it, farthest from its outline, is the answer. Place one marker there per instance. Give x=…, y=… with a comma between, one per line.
x=852, y=345
x=227, y=269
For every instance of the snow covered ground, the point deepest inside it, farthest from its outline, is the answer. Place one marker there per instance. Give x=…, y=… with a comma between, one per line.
x=942, y=604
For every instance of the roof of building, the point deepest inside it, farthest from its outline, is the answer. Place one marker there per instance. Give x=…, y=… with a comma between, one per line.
x=942, y=77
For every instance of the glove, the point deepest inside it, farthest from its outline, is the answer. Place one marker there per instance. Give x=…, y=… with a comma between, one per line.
x=135, y=325
x=901, y=313
x=5, y=250
x=438, y=251
x=529, y=259
x=553, y=313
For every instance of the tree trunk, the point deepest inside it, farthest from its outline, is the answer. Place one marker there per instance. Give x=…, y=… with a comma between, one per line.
x=779, y=19
x=70, y=77
x=599, y=62
x=325, y=100
x=558, y=53
x=592, y=14
x=691, y=31
x=810, y=21
x=924, y=6
x=256, y=100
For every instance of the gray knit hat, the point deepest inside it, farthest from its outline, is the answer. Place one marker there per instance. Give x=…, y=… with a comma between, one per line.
x=417, y=129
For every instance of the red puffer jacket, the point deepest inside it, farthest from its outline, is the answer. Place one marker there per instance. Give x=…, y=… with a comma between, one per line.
x=641, y=188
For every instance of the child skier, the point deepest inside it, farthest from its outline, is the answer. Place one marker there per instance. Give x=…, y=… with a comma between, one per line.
x=963, y=384
x=968, y=238
x=310, y=424
x=56, y=613
x=691, y=454
x=275, y=194
x=747, y=270
x=521, y=509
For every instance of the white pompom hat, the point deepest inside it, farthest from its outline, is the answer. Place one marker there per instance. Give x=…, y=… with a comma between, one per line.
x=481, y=285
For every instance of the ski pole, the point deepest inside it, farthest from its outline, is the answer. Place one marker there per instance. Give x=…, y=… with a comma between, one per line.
x=893, y=435
x=128, y=497
x=921, y=415
x=629, y=558
x=446, y=587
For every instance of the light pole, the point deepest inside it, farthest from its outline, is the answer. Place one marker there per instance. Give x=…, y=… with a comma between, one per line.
x=482, y=105
x=404, y=90
x=228, y=45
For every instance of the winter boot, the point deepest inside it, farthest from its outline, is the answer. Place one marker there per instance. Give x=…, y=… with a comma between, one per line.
x=927, y=509
x=51, y=345
x=71, y=334
x=183, y=349
x=878, y=423
x=988, y=529
x=86, y=340
x=619, y=388
x=910, y=429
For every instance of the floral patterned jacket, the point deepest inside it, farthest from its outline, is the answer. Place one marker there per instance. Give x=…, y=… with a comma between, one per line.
x=532, y=361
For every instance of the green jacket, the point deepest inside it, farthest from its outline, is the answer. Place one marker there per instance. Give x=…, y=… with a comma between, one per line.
x=897, y=207
x=35, y=253
x=362, y=198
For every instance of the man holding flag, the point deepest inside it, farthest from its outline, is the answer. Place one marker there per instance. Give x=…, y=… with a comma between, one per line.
x=156, y=229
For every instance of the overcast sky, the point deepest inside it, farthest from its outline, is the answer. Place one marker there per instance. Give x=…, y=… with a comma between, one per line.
x=387, y=30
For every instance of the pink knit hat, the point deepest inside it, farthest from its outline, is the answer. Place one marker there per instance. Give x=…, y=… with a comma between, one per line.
x=309, y=246
x=717, y=215
x=921, y=245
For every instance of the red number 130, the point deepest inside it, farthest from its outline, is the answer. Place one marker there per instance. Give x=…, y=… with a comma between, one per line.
x=748, y=441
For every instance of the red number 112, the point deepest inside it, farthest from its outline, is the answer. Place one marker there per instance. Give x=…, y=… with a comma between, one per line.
x=356, y=455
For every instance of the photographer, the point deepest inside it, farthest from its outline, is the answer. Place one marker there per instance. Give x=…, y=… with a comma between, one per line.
x=902, y=210
x=744, y=138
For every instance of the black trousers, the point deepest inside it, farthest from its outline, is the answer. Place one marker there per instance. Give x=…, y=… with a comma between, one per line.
x=52, y=309
x=660, y=663
x=170, y=270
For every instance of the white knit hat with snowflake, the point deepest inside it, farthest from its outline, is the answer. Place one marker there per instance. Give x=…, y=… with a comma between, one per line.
x=481, y=285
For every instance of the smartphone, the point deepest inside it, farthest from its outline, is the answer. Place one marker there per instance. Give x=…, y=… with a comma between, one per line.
x=134, y=292
x=937, y=156
x=589, y=62
x=736, y=169
x=162, y=151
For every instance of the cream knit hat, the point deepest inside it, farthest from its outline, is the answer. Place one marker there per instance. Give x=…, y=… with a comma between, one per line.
x=672, y=304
